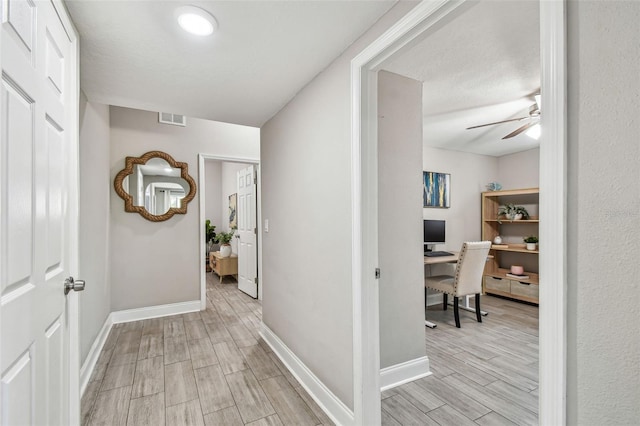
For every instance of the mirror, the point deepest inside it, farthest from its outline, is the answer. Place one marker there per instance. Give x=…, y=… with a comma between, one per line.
x=155, y=185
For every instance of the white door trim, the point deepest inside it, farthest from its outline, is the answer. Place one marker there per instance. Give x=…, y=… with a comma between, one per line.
x=74, y=209
x=364, y=193
x=73, y=306
x=201, y=198
x=553, y=206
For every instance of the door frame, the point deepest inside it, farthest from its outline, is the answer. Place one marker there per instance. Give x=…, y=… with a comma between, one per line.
x=201, y=198
x=553, y=205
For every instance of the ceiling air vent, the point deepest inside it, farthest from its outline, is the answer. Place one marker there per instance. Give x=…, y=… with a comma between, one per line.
x=174, y=119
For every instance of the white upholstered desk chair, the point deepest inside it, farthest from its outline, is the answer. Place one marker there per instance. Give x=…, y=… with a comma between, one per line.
x=467, y=279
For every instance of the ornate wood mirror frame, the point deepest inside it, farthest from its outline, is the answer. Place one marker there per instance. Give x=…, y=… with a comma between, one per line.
x=129, y=206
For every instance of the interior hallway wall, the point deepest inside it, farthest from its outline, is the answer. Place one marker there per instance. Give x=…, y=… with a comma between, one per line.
x=603, y=382
x=213, y=186
x=401, y=288
x=95, y=300
x=157, y=263
x=306, y=175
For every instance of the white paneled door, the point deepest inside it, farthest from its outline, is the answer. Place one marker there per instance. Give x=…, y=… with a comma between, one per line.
x=38, y=226
x=247, y=249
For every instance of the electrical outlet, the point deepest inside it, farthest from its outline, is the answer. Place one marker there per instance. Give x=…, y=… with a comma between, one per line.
x=266, y=225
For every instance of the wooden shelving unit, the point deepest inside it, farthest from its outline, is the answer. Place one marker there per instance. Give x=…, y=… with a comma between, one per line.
x=513, y=248
x=495, y=280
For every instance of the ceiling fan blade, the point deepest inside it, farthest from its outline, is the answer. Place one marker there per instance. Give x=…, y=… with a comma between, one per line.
x=521, y=129
x=497, y=122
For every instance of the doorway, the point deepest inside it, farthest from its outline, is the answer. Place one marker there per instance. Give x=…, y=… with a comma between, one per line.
x=225, y=196
x=552, y=353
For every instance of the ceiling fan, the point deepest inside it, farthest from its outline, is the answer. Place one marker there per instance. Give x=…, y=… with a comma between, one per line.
x=533, y=117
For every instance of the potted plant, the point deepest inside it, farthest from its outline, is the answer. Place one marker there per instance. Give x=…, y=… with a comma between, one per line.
x=531, y=241
x=209, y=232
x=209, y=246
x=224, y=239
x=512, y=212
x=521, y=213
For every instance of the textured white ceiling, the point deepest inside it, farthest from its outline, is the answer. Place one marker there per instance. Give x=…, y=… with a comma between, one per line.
x=134, y=54
x=482, y=65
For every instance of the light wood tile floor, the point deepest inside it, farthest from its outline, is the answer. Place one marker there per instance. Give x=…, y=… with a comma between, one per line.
x=483, y=373
x=212, y=368
x=204, y=368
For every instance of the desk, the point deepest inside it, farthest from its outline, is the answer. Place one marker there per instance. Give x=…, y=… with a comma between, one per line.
x=447, y=259
x=442, y=259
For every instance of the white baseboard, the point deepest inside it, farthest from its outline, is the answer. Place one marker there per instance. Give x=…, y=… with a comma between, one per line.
x=93, y=355
x=326, y=400
x=127, y=316
x=138, y=314
x=405, y=372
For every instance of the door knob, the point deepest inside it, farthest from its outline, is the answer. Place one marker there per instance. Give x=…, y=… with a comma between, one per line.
x=71, y=284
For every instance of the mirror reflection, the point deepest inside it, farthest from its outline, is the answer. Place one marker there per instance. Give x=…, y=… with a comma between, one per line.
x=156, y=186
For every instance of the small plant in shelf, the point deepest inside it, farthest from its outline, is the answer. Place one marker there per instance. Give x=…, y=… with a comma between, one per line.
x=512, y=212
x=531, y=241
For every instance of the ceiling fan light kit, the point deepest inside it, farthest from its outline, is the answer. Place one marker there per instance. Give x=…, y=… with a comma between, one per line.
x=534, y=132
x=532, y=127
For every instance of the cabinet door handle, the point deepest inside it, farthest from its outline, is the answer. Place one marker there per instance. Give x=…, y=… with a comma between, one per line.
x=523, y=283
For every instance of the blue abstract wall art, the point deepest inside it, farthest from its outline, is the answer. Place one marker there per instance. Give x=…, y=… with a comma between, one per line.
x=435, y=189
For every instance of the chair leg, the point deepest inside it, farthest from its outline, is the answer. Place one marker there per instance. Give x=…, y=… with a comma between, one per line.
x=445, y=301
x=455, y=311
x=478, y=312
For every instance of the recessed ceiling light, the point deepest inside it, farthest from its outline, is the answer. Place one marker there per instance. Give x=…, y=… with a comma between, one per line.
x=195, y=20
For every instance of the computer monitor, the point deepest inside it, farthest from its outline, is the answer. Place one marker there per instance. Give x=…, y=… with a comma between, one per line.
x=434, y=232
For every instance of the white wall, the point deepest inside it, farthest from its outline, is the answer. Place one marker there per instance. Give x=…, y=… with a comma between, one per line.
x=155, y=263
x=305, y=171
x=213, y=178
x=469, y=175
x=520, y=170
x=400, y=227
x=603, y=383
x=95, y=300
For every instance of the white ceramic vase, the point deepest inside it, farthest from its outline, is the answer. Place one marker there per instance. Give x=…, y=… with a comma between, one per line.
x=225, y=250
x=518, y=216
x=531, y=246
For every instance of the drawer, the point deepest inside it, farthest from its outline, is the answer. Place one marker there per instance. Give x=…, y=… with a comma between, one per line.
x=498, y=284
x=526, y=290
